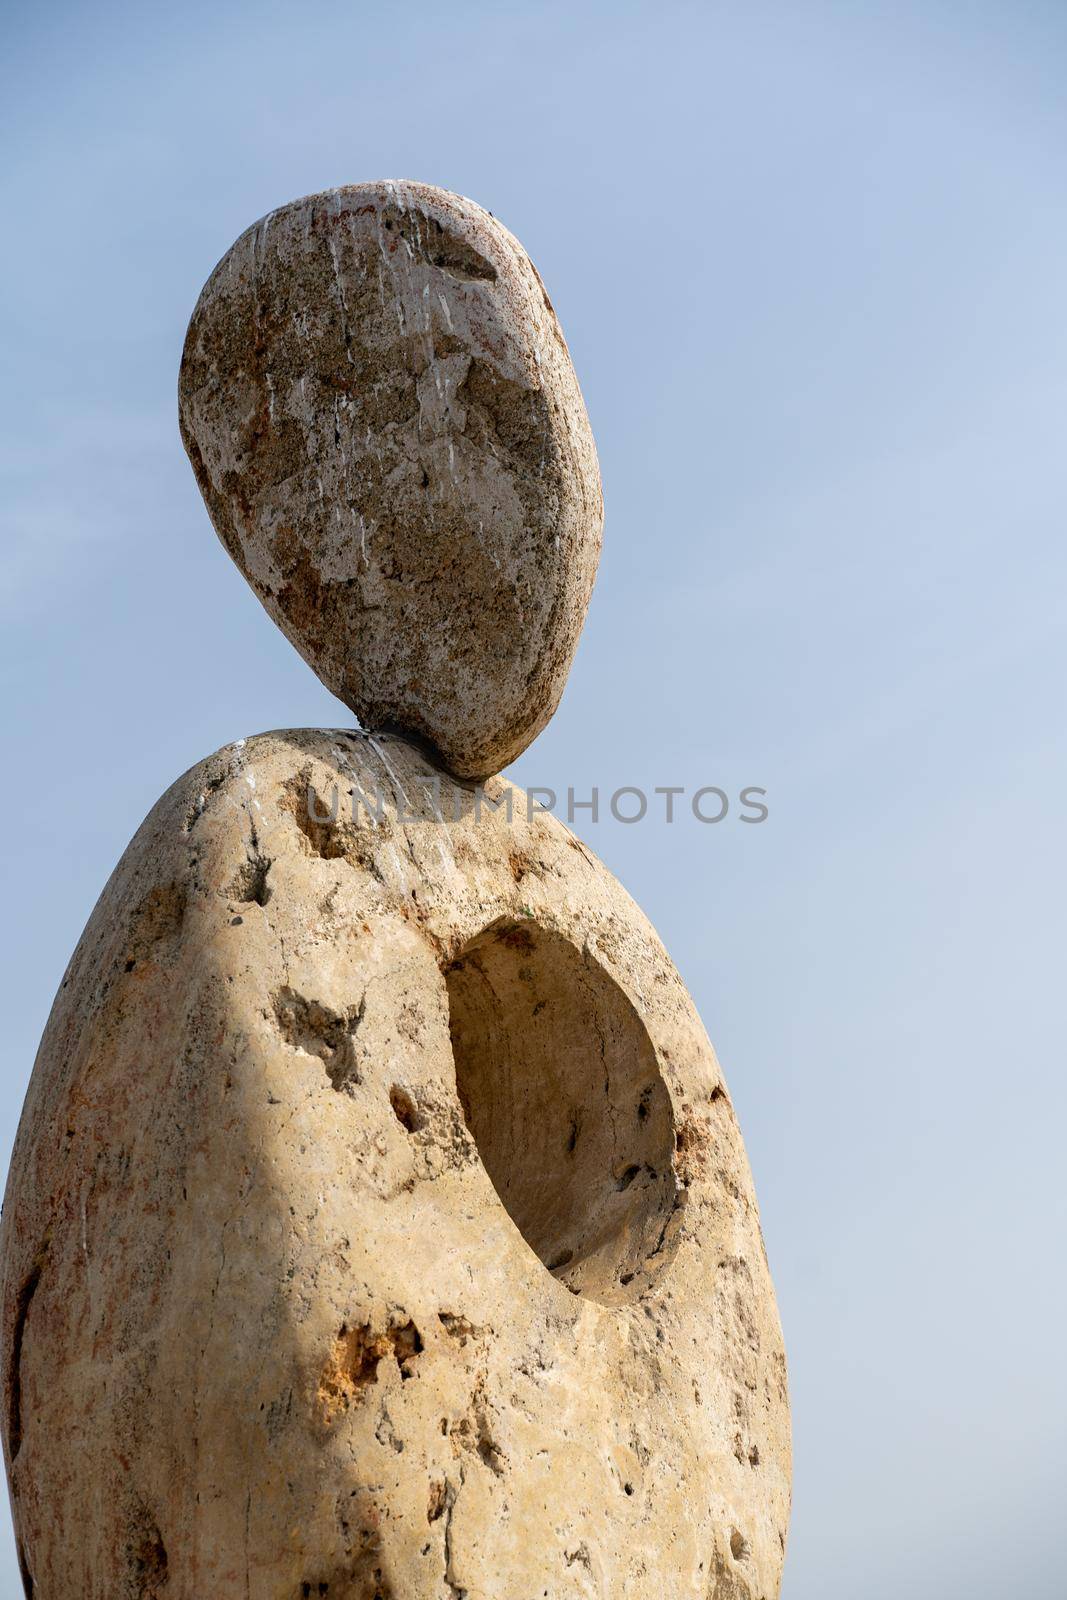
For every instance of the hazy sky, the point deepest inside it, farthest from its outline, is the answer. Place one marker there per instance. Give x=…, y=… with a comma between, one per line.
x=810, y=259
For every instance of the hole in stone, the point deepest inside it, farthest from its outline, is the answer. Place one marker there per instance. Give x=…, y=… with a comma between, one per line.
x=437, y=1501
x=354, y=1360
x=562, y=1092
x=404, y=1109
x=738, y=1545
x=249, y=882
x=147, y=1556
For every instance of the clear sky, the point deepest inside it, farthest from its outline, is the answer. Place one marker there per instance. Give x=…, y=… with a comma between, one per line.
x=810, y=259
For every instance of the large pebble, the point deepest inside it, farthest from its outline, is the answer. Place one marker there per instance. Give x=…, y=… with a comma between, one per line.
x=383, y=418
x=379, y=1223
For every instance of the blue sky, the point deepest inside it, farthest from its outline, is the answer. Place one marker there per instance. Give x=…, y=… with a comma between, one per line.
x=810, y=261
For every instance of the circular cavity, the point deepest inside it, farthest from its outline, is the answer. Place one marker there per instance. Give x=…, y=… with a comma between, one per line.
x=562, y=1092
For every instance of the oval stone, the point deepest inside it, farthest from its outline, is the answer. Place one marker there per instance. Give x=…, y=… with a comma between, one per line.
x=384, y=421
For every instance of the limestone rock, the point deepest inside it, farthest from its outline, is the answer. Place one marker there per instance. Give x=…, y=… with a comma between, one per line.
x=384, y=421
x=379, y=1224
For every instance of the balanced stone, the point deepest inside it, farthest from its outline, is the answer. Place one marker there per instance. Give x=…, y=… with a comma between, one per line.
x=385, y=423
x=379, y=1224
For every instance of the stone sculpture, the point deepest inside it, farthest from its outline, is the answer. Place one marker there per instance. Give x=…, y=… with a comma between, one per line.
x=378, y=1223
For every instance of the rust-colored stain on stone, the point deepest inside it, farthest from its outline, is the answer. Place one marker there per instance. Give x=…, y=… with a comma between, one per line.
x=353, y=1364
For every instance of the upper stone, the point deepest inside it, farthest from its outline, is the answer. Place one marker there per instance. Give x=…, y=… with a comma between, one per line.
x=383, y=418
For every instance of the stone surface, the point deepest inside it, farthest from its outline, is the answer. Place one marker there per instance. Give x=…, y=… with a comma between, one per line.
x=379, y=1224
x=384, y=421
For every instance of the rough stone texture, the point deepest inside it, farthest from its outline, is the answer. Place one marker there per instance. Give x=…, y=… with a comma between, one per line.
x=384, y=421
x=270, y=1331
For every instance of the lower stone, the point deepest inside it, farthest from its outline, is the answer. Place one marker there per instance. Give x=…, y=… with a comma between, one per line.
x=378, y=1223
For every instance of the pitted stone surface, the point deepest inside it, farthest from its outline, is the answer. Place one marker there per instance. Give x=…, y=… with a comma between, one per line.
x=379, y=1224
x=384, y=421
